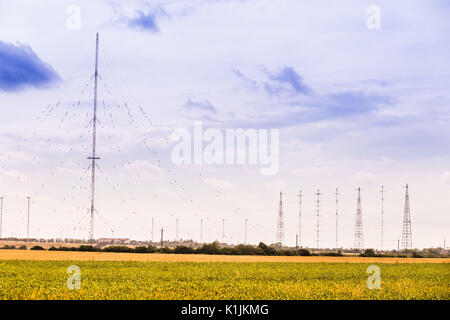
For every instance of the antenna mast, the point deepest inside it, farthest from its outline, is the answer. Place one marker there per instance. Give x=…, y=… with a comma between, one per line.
x=28, y=219
x=359, y=236
x=153, y=224
x=223, y=230
x=337, y=207
x=245, y=238
x=280, y=225
x=317, y=216
x=406, y=234
x=382, y=217
x=1, y=216
x=201, y=231
x=94, y=142
x=299, y=240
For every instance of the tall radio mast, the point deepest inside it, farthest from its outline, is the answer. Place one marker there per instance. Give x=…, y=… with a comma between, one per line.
x=94, y=143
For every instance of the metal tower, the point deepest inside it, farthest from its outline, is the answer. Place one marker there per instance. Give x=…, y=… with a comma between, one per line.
x=162, y=237
x=280, y=224
x=359, y=236
x=1, y=216
x=299, y=234
x=153, y=224
x=382, y=217
x=318, y=220
x=223, y=230
x=201, y=231
x=93, y=157
x=245, y=238
x=406, y=234
x=176, y=233
x=28, y=219
x=337, y=207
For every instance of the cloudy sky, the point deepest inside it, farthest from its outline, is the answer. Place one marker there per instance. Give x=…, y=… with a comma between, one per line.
x=355, y=105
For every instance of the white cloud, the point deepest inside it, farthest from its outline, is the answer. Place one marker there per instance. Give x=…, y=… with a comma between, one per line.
x=219, y=183
x=144, y=169
x=312, y=172
x=12, y=174
x=446, y=177
x=365, y=179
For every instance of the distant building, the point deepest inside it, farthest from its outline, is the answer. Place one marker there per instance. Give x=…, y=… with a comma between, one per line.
x=114, y=240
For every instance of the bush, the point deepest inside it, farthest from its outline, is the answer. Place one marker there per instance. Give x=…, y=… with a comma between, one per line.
x=209, y=248
x=368, y=253
x=117, y=249
x=183, y=250
x=268, y=251
x=331, y=254
x=23, y=247
x=37, y=248
x=165, y=250
x=248, y=250
x=304, y=252
x=140, y=250
x=88, y=248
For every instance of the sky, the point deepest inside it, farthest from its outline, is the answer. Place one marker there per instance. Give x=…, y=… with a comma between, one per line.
x=358, y=102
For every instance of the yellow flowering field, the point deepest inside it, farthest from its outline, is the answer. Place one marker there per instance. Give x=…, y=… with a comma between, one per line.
x=31, y=279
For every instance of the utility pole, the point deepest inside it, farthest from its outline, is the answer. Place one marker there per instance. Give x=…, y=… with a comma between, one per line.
x=317, y=217
x=94, y=142
x=1, y=216
x=245, y=237
x=28, y=219
x=382, y=217
x=162, y=237
x=337, y=206
x=299, y=234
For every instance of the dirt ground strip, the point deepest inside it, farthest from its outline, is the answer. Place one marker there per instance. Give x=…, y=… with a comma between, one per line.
x=11, y=254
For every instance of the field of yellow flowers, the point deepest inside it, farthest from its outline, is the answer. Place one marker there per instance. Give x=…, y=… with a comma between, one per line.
x=27, y=279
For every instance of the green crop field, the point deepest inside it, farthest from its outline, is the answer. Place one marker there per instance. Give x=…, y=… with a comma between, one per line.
x=216, y=280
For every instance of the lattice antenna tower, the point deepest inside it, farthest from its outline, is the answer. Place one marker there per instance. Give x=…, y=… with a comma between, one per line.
x=223, y=230
x=153, y=228
x=201, y=231
x=382, y=191
x=406, y=234
x=318, y=194
x=94, y=157
x=299, y=240
x=28, y=217
x=359, y=236
x=337, y=210
x=245, y=235
x=1, y=216
x=280, y=224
